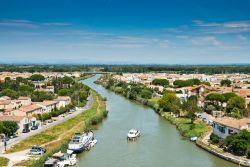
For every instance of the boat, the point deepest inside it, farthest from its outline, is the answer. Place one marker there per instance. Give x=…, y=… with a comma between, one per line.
x=51, y=162
x=80, y=141
x=60, y=159
x=193, y=139
x=133, y=134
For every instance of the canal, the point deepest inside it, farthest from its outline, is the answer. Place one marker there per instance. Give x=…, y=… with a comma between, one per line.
x=159, y=145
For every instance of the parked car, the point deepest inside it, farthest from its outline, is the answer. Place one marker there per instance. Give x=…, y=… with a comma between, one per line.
x=34, y=127
x=39, y=148
x=50, y=121
x=26, y=130
x=36, y=152
x=13, y=136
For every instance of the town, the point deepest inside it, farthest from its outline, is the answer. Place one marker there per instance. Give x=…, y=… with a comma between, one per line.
x=31, y=100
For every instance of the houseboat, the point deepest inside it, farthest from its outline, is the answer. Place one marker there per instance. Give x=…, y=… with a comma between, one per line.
x=80, y=141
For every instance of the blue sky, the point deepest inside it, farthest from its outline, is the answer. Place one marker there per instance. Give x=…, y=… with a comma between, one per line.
x=125, y=31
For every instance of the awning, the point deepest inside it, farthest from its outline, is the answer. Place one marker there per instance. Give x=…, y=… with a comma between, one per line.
x=58, y=155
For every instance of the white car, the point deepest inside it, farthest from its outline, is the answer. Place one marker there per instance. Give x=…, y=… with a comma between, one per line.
x=133, y=134
x=35, y=152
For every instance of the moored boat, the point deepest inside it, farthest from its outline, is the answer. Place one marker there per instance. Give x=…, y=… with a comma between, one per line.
x=80, y=141
x=60, y=159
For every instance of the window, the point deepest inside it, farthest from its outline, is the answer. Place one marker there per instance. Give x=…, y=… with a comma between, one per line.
x=221, y=129
x=230, y=131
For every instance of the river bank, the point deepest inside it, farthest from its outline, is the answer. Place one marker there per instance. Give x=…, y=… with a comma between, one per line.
x=57, y=137
x=186, y=129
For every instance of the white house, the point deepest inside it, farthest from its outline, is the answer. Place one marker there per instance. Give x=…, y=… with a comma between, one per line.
x=226, y=126
x=22, y=121
x=48, y=106
x=63, y=101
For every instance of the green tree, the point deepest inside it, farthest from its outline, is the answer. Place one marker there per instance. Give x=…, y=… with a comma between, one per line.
x=238, y=142
x=83, y=95
x=225, y=82
x=37, y=77
x=67, y=81
x=191, y=107
x=216, y=99
x=9, y=92
x=236, y=102
x=146, y=94
x=169, y=100
x=229, y=95
x=210, y=108
x=8, y=127
x=39, y=96
x=161, y=82
x=64, y=92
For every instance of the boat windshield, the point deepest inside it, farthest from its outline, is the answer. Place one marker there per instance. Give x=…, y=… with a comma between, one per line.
x=76, y=139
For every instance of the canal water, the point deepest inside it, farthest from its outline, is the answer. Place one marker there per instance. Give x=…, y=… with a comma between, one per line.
x=159, y=145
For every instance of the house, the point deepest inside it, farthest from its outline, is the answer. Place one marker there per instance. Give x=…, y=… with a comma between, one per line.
x=245, y=93
x=226, y=126
x=48, y=106
x=50, y=89
x=22, y=121
x=197, y=90
x=5, y=103
x=25, y=101
x=63, y=101
x=32, y=109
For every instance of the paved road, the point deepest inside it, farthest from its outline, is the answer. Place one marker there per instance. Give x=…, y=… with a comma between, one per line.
x=59, y=120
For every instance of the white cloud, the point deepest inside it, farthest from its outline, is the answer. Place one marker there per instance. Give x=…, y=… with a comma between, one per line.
x=28, y=23
x=205, y=40
x=223, y=27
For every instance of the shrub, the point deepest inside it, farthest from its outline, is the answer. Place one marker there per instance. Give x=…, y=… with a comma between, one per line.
x=214, y=139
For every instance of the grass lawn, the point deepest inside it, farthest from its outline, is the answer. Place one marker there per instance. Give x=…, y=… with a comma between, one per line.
x=186, y=128
x=3, y=161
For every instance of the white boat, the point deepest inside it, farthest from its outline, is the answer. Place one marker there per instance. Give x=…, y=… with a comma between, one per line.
x=60, y=159
x=133, y=134
x=80, y=141
x=193, y=138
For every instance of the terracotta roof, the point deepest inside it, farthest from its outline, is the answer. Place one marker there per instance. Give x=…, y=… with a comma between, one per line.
x=62, y=98
x=198, y=86
x=23, y=98
x=5, y=98
x=232, y=122
x=30, y=108
x=47, y=103
x=11, y=118
x=243, y=93
x=5, y=102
